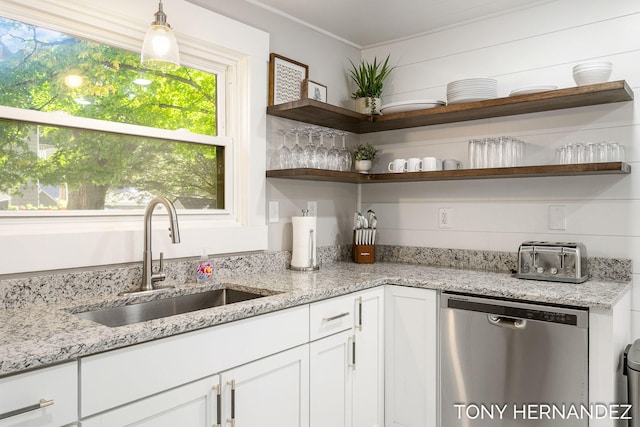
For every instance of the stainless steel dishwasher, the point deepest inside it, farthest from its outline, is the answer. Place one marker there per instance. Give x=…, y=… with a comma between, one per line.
x=506, y=363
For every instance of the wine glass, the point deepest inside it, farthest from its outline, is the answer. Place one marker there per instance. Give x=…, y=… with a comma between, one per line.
x=321, y=151
x=310, y=160
x=297, y=152
x=346, y=159
x=284, y=154
x=333, y=155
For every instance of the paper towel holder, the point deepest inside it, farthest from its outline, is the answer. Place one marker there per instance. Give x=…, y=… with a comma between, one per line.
x=313, y=262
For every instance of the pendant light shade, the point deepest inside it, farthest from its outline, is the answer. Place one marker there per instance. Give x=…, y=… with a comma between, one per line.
x=160, y=49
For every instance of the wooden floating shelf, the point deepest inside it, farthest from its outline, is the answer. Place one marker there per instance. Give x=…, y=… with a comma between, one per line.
x=323, y=114
x=514, y=172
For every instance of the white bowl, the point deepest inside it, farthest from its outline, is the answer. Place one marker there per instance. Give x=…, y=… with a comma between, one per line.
x=590, y=77
x=605, y=65
x=592, y=72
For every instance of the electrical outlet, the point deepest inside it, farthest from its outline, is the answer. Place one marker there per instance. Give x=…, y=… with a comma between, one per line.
x=445, y=218
x=274, y=211
x=312, y=206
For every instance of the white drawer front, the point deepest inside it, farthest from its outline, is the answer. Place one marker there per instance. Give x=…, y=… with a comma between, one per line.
x=331, y=316
x=121, y=376
x=57, y=384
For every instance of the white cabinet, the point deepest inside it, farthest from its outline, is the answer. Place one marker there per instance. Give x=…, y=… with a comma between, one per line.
x=44, y=397
x=271, y=392
x=368, y=370
x=331, y=380
x=411, y=357
x=193, y=405
x=122, y=376
x=347, y=369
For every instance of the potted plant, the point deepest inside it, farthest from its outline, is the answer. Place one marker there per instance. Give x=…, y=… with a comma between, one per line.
x=369, y=78
x=364, y=154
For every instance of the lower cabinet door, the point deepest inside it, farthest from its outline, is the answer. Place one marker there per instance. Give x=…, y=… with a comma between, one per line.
x=270, y=392
x=368, y=370
x=193, y=405
x=330, y=380
x=411, y=357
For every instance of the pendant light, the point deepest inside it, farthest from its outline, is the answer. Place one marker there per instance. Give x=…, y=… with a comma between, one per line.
x=160, y=49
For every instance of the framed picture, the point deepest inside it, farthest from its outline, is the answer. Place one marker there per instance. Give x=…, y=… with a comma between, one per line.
x=285, y=79
x=313, y=90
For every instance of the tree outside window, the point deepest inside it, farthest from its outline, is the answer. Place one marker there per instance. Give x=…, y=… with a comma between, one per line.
x=49, y=167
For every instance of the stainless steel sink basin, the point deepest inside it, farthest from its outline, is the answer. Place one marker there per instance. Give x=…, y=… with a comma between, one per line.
x=141, y=312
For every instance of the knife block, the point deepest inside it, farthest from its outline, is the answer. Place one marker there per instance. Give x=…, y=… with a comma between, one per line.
x=363, y=254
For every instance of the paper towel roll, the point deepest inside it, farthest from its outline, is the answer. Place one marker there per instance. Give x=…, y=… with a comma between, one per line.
x=304, y=242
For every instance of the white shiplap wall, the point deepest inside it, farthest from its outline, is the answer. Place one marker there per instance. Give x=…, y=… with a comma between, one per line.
x=530, y=47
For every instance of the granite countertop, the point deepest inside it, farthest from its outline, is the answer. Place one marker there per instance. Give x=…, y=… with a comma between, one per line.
x=39, y=335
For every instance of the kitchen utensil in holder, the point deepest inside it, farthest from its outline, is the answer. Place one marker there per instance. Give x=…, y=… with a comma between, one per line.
x=363, y=254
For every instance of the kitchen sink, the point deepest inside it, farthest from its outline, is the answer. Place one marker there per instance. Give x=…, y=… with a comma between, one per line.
x=165, y=307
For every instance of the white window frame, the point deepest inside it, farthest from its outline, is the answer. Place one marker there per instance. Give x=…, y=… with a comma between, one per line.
x=55, y=241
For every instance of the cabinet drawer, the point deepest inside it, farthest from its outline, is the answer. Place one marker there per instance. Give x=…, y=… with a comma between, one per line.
x=120, y=376
x=22, y=394
x=331, y=316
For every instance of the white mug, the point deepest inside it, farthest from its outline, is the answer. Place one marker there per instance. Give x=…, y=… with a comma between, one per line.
x=414, y=164
x=398, y=166
x=451, y=164
x=431, y=164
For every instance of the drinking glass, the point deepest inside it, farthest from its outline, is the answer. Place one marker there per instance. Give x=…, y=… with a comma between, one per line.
x=321, y=151
x=346, y=159
x=333, y=155
x=284, y=154
x=617, y=152
x=310, y=159
x=297, y=152
x=506, y=157
x=475, y=154
x=493, y=152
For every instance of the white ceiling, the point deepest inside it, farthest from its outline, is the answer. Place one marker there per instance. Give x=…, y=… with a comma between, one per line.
x=365, y=23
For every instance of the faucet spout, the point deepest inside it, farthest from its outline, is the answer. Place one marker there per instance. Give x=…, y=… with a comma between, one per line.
x=148, y=277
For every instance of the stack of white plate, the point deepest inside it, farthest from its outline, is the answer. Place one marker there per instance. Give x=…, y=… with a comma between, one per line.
x=592, y=72
x=469, y=90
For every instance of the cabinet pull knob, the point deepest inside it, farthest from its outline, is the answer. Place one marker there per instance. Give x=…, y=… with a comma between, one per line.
x=232, y=420
x=336, y=317
x=42, y=404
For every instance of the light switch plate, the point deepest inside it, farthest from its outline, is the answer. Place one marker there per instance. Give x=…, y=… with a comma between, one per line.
x=557, y=217
x=274, y=211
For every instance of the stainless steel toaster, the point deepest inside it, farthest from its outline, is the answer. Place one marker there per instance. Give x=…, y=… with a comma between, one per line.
x=554, y=261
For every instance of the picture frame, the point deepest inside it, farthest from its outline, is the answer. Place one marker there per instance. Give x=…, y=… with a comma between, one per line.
x=314, y=90
x=285, y=79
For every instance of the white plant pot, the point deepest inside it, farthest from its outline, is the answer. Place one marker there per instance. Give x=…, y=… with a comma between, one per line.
x=363, y=105
x=363, y=166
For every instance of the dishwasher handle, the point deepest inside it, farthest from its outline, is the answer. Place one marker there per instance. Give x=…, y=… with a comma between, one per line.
x=506, y=322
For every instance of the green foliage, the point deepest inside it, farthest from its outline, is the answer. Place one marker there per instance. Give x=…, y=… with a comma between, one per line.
x=369, y=77
x=90, y=163
x=365, y=152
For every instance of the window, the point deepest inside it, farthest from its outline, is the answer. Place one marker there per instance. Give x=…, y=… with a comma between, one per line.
x=236, y=53
x=50, y=164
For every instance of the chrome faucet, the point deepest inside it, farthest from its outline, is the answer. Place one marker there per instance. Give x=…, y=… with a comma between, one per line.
x=148, y=276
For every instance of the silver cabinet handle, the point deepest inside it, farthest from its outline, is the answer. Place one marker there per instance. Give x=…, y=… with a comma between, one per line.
x=218, y=390
x=42, y=404
x=336, y=317
x=351, y=345
x=232, y=420
x=359, y=325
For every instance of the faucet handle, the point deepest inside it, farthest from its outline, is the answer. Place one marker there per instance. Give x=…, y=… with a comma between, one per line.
x=160, y=275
